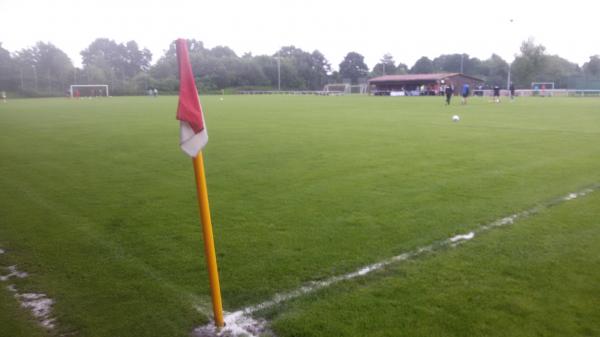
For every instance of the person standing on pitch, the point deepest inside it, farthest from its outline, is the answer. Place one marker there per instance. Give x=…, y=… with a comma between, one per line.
x=448, y=91
x=511, y=88
x=496, y=94
x=465, y=93
x=3, y=94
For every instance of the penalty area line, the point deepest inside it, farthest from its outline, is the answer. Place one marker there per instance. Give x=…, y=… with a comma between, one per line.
x=241, y=322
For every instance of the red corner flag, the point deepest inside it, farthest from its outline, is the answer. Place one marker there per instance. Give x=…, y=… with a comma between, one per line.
x=192, y=131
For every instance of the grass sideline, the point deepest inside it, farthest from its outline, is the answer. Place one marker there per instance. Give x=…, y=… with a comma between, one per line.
x=538, y=277
x=99, y=205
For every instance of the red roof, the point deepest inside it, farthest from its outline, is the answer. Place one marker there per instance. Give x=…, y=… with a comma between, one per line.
x=417, y=77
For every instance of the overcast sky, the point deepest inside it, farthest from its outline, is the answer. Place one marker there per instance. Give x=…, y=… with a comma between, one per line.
x=405, y=29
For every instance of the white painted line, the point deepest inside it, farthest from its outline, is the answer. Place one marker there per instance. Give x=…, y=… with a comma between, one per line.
x=236, y=324
x=570, y=196
x=462, y=237
x=40, y=306
x=13, y=272
x=241, y=323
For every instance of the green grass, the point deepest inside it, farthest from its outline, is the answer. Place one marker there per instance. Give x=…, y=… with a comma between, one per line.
x=14, y=321
x=98, y=202
x=536, y=278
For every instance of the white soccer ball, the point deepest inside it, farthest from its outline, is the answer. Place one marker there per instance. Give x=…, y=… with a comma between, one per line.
x=455, y=118
x=221, y=98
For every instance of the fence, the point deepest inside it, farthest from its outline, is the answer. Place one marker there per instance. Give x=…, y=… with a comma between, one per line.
x=291, y=92
x=543, y=93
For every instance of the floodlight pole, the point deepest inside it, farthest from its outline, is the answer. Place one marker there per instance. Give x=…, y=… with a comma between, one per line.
x=511, y=28
x=461, y=62
x=279, y=71
x=508, y=78
x=34, y=77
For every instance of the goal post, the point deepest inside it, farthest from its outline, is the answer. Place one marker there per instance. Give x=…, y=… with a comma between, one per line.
x=345, y=88
x=542, y=88
x=358, y=89
x=88, y=90
x=337, y=88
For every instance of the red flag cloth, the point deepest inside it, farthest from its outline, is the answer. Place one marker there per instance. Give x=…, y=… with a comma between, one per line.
x=193, y=135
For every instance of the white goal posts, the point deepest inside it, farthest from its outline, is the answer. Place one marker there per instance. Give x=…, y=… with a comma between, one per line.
x=337, y=88
x=88, y=90
x=345, y=88
x=542, y=88
x=358, y=89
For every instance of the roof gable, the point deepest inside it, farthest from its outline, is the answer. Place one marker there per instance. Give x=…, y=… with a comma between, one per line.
x=419, y=77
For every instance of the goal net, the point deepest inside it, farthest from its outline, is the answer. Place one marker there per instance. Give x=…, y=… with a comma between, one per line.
x=345, y=88
x=358, y=89
x=338, y=88
x=88, y=90
x=542, y=88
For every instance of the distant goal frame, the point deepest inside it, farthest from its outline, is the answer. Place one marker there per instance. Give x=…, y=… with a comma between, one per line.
x=542, y=89
x=344, y=89
x=72, y=88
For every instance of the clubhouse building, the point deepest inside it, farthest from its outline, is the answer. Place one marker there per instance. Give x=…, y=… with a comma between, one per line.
x=421, y=84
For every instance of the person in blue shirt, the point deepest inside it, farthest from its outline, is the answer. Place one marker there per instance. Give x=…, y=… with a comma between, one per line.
x=465, y=93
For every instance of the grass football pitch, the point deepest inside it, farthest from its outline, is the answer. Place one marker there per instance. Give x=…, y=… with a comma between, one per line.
x=98, y=206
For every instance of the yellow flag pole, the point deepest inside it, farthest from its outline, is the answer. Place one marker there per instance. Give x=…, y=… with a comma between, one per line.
x=209, y=243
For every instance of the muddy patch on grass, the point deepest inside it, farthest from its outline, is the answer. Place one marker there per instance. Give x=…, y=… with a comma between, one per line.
x=38, y=304
x=237, y=323
x=13, y=272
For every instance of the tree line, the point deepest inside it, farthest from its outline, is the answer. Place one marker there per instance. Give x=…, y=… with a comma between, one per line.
x=45, y=70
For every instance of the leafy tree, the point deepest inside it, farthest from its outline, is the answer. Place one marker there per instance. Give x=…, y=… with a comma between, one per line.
x=165, y=70
x=136, y=60
x=194, y=47
x=449, y=63
x=252, y=74
x=268, y=64
x=401, y=69
x=591, y=69
x=310, y=69
x=533, y=65
x=529, y=64
x=46, y=69
x=25, y=61
x=96, y=74
x=558, y=70
x=8, y=73
x=386, y=66
x=221, y=51
x=320, y=69
x=105, y=54
x=294, y=65
x=494, y=71
x=116, y=63
x=353, y=67
x=423, y=66
x=335, y=77
x=455, y=63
